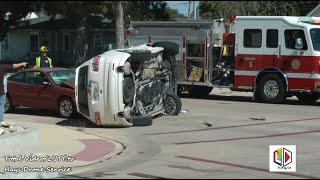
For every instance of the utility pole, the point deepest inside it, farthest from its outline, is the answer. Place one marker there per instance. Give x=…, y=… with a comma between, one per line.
x=194, y=10
x=189, y=10
x=119, y=26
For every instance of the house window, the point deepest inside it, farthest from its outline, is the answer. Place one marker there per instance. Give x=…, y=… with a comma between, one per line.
x=66, y=42
x=272, y=38
x=98, y=42
x=252, y=38
x=34, y=42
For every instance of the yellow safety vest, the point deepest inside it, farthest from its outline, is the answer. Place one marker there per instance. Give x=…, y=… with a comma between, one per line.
x=38, y=60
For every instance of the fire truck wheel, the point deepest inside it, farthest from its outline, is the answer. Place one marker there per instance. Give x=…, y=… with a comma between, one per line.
x=200, y=91
x=139, y=56
x=172, y=104
x=128, y=90
x=170, y=48
x=308, y=98
x=271, y=89
x=143, y=120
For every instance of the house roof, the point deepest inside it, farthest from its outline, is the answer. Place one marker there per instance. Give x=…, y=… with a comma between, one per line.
x=315, y=12
x=45, y=23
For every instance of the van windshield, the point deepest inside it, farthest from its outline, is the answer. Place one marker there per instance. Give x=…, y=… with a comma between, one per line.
x=315, y=37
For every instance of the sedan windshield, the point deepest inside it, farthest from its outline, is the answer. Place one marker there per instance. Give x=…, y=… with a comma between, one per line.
x=315, y=37
x=61, y=76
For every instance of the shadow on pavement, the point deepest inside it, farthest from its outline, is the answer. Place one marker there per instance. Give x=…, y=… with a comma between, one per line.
x=78, y=122
x=236, y=98
x=35, y=112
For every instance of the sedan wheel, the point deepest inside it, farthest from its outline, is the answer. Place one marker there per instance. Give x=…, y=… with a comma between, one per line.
x=8, y=105
x=65, y=107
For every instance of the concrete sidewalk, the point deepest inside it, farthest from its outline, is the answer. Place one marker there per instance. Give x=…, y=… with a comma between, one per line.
x=55, y=150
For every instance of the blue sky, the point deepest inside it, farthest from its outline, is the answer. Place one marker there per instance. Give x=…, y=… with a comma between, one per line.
x=181, y=6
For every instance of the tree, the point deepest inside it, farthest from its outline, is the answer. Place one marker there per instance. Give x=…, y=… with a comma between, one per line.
x=174, y=14
x=11, y=12
x=77, y=12
x=306, y=6
x=145, y=11
x=225, y=9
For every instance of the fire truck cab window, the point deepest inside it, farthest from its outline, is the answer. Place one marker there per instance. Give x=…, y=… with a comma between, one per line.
x=272, y=38
x=252, y=38
x=290, y=38
x=315, y=37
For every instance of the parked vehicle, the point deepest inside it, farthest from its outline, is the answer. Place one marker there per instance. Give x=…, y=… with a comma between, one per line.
x=43, y=88
x=126, y=87
x=274, y=57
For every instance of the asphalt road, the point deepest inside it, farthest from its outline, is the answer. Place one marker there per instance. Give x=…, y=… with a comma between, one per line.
x=236, y=145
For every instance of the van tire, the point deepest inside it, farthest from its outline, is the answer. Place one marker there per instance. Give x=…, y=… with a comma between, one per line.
x=170, y=48
x=143, y=120
x=139, y=56
x=128, y=90
x=172, y=100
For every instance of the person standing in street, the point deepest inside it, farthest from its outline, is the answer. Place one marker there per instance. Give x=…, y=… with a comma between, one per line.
x=4, y=69
x=43, y=60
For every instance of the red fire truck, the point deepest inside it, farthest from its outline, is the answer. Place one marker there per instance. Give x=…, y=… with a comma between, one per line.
x=274, y=57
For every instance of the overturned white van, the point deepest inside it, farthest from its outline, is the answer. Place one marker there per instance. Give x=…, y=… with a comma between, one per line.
x=126, y=87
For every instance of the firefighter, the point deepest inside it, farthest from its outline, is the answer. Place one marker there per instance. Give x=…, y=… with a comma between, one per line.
x=43, y=60
x=290, y=40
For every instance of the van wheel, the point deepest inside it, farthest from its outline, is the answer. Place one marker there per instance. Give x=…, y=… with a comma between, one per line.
x=128, y=90
x=139, y=56
x=143, y=120
x=66, y=107
x=271, y=89
x=308, y=98
x=170, y=48
x=172, y=104
x=8, y=104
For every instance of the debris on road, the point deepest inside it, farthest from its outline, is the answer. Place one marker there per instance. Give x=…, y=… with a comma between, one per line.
x=8, y=127
x=258, y=119
x=185, y=111
x=208, y=124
